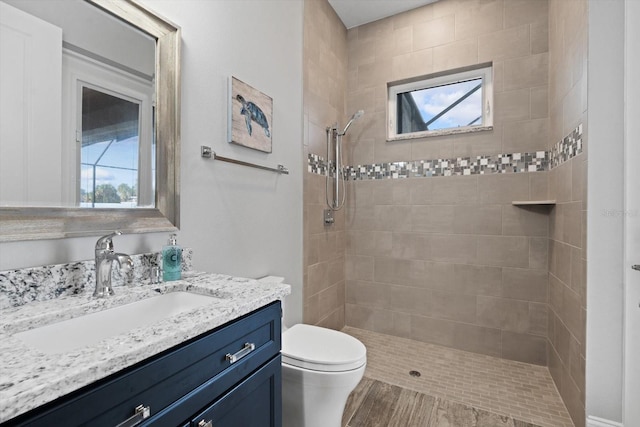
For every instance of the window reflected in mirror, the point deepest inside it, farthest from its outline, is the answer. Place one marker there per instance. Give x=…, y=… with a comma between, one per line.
x=110, y=150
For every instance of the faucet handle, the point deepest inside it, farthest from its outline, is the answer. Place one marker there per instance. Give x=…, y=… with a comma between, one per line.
x=105, y=242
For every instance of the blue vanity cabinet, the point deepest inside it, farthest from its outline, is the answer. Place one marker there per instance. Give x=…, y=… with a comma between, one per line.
x=232, y=373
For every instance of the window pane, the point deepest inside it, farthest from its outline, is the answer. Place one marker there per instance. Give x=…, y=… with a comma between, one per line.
x=441, y=107
x=110, y=150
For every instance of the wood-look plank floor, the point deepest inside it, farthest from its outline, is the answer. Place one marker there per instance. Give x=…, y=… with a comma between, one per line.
x=377, y=404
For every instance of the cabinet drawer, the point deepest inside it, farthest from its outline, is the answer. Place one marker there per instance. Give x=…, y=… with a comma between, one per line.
x=255, y=402
x=159, y=381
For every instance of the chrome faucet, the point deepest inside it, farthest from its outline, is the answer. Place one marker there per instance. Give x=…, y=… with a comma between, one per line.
x=104, y=261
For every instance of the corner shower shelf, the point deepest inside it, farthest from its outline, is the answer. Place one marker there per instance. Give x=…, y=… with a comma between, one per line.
x=533, y=202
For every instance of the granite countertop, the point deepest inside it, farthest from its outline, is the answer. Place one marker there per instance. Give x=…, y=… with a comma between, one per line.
x=30, y=378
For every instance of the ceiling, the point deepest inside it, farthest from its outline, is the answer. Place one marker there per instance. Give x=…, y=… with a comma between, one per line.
x=358, y=12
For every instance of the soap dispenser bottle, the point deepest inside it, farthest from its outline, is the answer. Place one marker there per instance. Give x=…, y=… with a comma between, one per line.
x=171, y=260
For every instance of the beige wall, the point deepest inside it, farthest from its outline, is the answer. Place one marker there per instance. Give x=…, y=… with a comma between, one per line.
x=325, y=88
x=449, y=260
x=568, y=185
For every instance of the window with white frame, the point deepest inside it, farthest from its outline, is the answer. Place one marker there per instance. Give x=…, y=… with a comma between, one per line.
x=455, y=101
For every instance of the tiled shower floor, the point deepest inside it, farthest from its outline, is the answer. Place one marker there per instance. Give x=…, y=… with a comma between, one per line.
x=519, y=390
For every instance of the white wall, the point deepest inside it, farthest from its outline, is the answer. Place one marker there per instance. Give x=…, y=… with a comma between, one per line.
x=239, y=221
x=604, y=356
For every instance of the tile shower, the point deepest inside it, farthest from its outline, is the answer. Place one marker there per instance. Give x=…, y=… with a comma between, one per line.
x=429, y=246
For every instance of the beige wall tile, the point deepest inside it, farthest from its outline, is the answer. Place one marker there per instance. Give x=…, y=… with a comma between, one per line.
x=502, y=313
x=397, y=151
x=412, y=17
x=561, y=266
x=478, y=143
x=432, y=148
x=477, y=339
x=527, y=136
x=393, y=217
x=503, y=188
x=572, y=229
x=503, y=251
x=525, y=221
x=578, y=178
x=539, y=186
x=526, y=72
x=435, y=331
x=539, y=253
x=525, y=284
x=411, y=245
x=373, y=243
x=359, y=316
x=453, y=306
x=438, y=275
x=475, y=280
x=455, y=55
x=399, y=271
x=371, y=75
x=433, y=218
x=571, y=313
x=435, y=32
x=412, y=64
x=578, y=274
x=477, y=219
x=524, y=348
x=454, y=190
x=556, y=295
x=410, y=300
x=539, y=37
x=513, y=105
x=454, y=248
x=573, y=399
x=540, y=104
x=421, y=191
x=538, y=319
x=519, y=12
x=317, y=279
x=477, y=17
x=392, y=192
x=368, y=294
x=500, y=45
x=335, y=271
x=359, y=267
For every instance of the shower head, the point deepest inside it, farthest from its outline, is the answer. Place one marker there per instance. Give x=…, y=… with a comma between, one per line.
x=353, y=118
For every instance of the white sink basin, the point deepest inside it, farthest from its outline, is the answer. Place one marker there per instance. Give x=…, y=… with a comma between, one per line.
x=91, y=328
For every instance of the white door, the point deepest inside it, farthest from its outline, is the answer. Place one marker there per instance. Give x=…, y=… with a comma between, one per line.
x=30, y=124
x=632, y=215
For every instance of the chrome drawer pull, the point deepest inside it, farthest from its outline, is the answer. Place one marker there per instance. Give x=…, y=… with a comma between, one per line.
x=142, y=413
x=636, y=267
x=207, y=424
x=248, y=348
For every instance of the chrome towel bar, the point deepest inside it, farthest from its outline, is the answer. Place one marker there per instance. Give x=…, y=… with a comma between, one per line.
x=208, y=153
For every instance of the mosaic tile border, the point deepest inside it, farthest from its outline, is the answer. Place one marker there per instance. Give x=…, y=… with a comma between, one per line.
x=538, y=161
x=480, y=165
x=569, y=147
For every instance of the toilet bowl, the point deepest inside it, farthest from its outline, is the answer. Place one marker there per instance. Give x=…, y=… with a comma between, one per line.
x=320, y=368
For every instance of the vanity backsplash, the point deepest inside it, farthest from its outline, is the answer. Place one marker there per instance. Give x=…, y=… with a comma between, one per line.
x=19, y=287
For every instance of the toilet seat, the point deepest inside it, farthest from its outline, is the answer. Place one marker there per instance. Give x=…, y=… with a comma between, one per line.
x=321, y=349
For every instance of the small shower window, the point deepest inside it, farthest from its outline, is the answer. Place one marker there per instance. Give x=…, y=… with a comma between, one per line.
x=455, y=101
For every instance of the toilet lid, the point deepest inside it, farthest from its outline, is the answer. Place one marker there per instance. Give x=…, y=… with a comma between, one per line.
x=322, y=349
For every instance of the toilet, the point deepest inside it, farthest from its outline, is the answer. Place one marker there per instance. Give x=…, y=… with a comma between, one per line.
x=320, y=368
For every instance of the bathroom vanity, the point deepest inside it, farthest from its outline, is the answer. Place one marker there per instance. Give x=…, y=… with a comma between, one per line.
x=215, y=364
